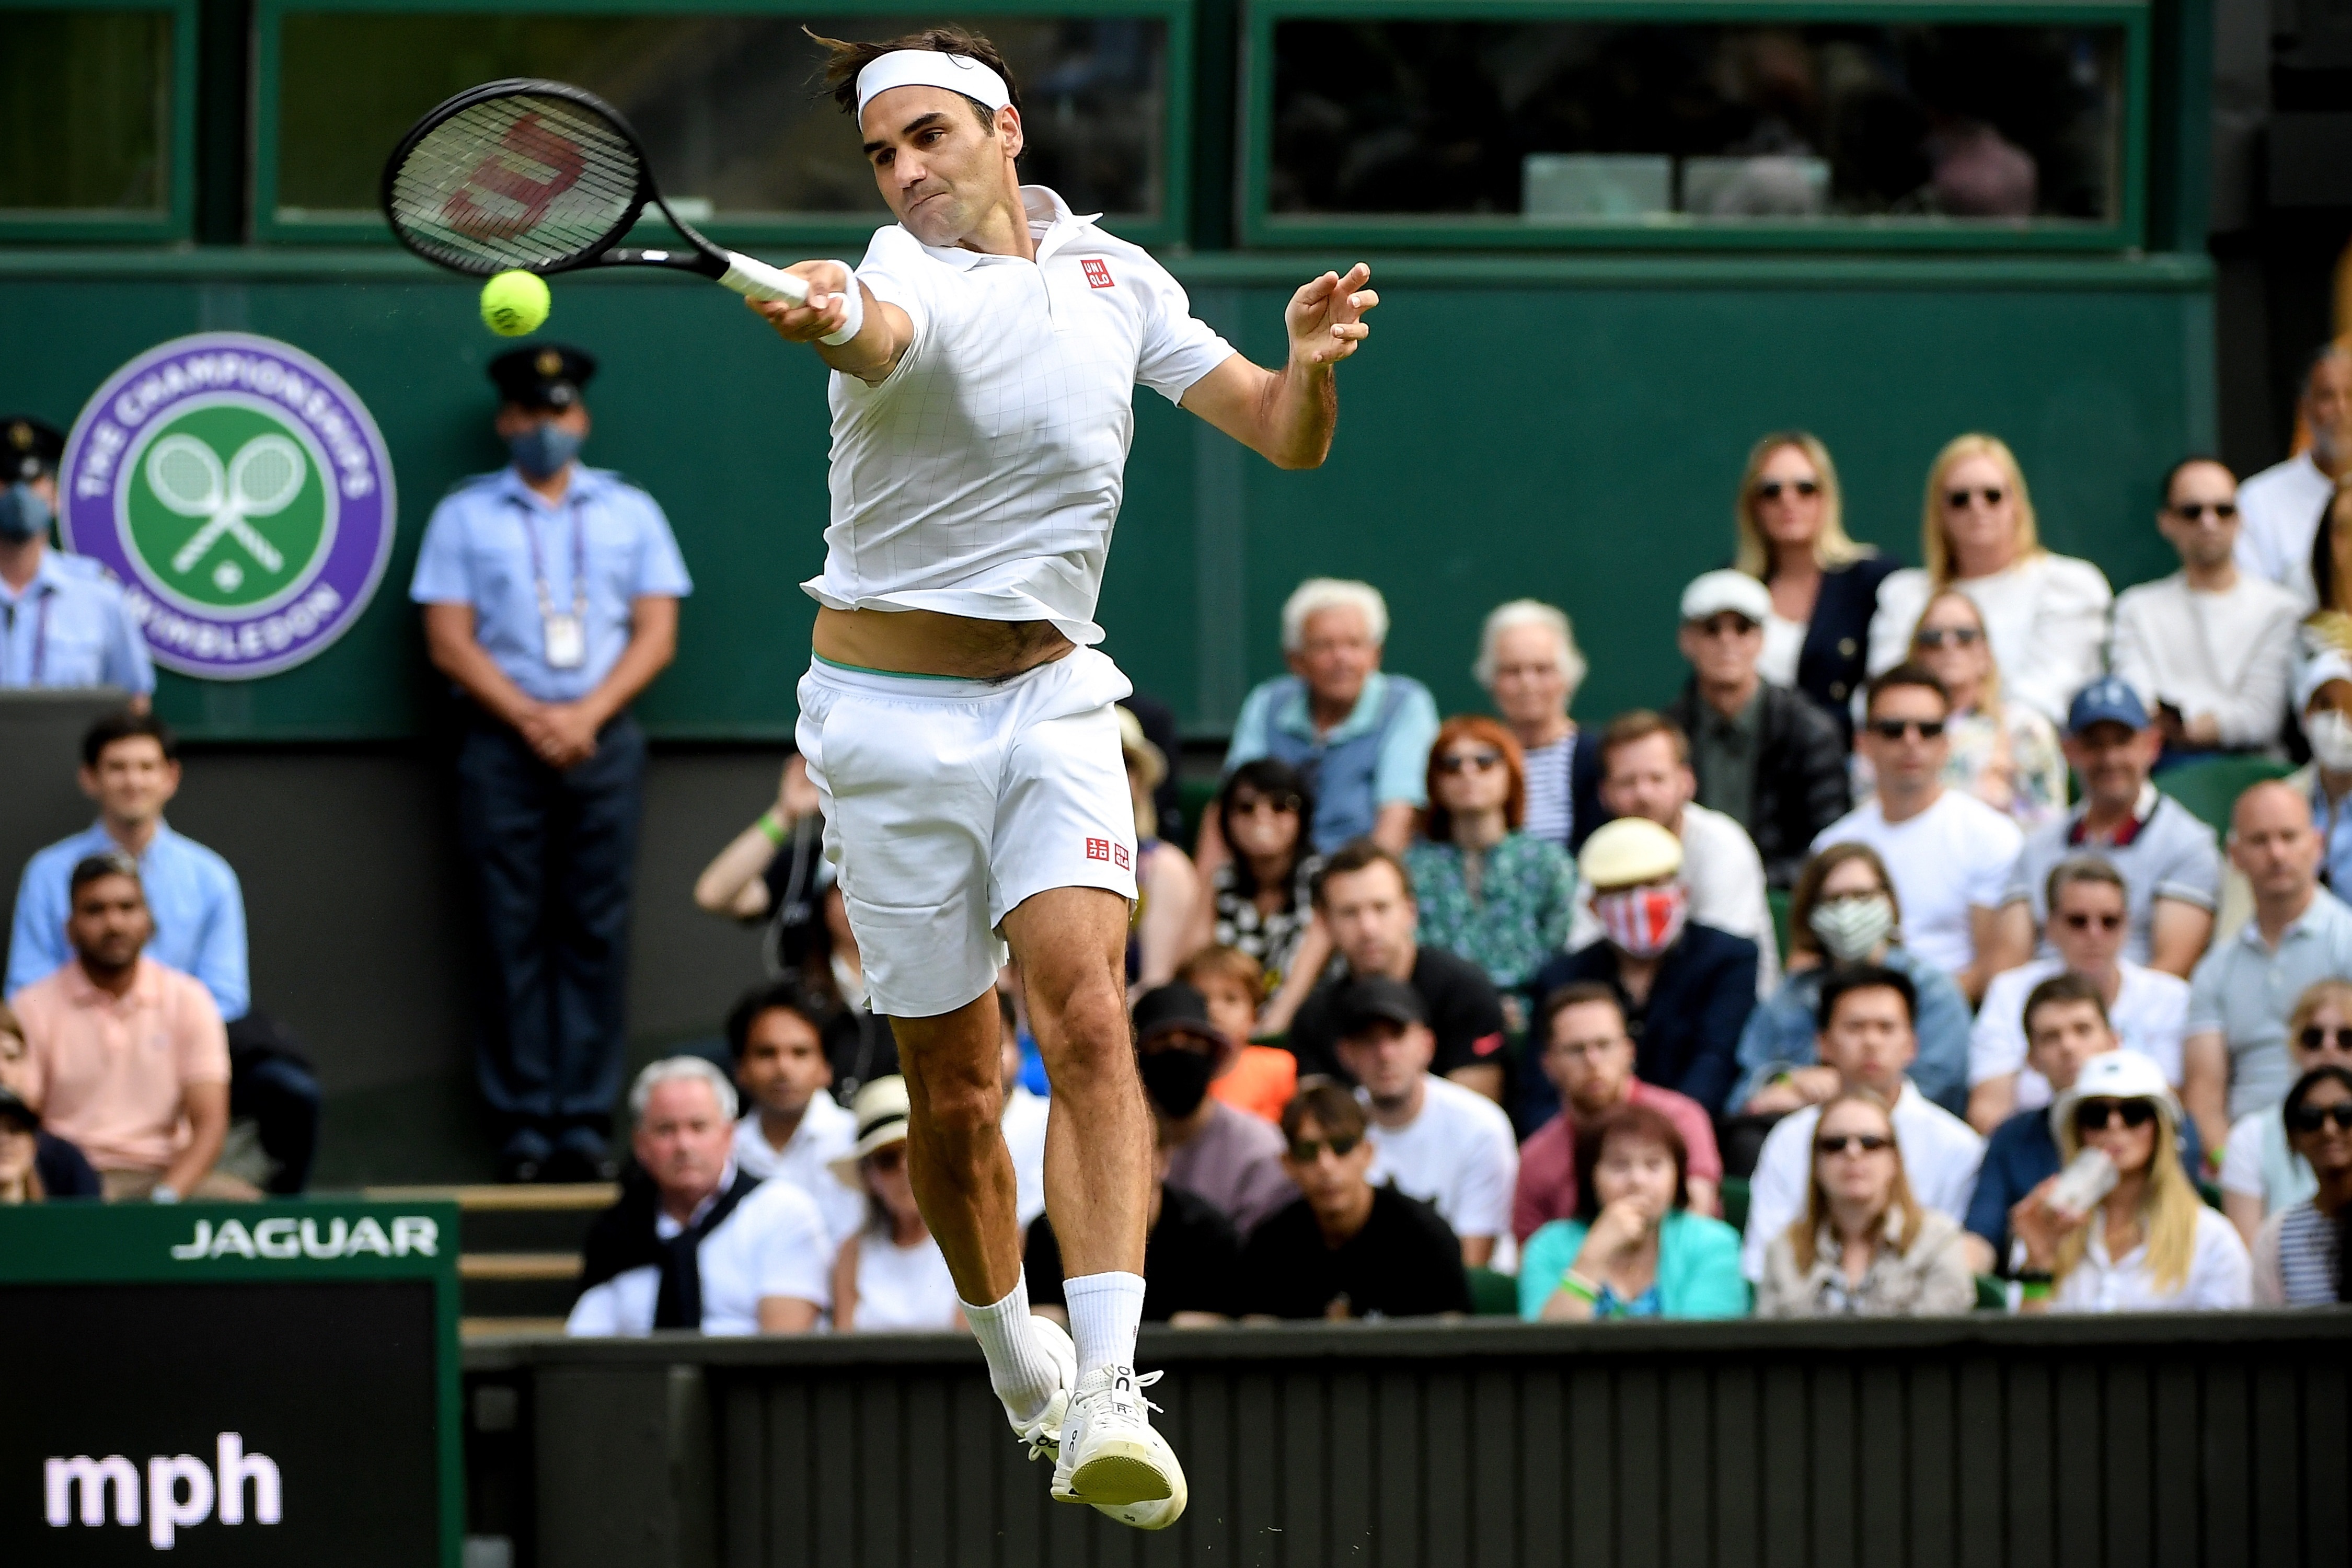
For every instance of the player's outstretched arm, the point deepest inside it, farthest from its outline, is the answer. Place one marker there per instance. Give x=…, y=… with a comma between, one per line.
x=872, y=354
x=1288, y=415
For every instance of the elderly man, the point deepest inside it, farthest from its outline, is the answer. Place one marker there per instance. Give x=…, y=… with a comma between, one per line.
x=1948, y=854
x=1365, y=898
x=701, y=1244
x=1362, y=735
x=2280, y=506
x=1764, y=756
x=126, y=1058
x=1685, y=989
x=2168, y=858
x=2147, y=1008
x=1589, y=1058
x=1868, y=1035
x=1530, y=666
x=2210, y=650
x=2234, y=1059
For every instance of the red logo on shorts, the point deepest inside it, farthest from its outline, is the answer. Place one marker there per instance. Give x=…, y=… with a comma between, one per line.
x=1097, y=274
x=1118, y=855
x=1098, y=849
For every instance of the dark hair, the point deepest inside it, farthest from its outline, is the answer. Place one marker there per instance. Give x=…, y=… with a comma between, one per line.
x=1360, y=854
x=787, y=994
x=1628, y=1120
x=122, y=726
x=846, y=59
x=2164, y=491
x=1907, y=673
x=1807, y=894
x=2323, y=551
x=1639, y=725
x=1334, y=1108
x=1272, y=780
x=1843, y=982
x=2068, y=987
x=2329, y=1073
x=1575, y=994
x=2332, y=349
x=105, y=863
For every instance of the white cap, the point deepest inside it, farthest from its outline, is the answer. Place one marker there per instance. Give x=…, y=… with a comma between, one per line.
x=1713, y=593
x=2328, y=663
x=931, y=68
x=2119, y=1074
x=1628, y=852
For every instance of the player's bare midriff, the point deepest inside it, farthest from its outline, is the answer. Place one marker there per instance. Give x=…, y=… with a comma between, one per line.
x=925, y=642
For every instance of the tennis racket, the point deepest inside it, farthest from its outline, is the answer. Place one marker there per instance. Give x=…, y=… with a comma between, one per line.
x=541, y=176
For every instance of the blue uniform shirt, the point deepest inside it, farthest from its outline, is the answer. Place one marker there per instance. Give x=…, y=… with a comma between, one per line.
x=198, y=907
x=478, y=550
x=70, y=627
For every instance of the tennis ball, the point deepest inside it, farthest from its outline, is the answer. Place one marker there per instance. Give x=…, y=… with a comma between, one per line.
x=514, y=303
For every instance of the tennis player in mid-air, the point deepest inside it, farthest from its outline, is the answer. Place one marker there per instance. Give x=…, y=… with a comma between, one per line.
x=957, y=718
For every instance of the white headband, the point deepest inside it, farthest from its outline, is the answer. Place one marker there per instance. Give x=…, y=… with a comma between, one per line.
x=931, y=68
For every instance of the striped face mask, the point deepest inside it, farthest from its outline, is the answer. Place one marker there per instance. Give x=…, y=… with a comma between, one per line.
x=1643, y=922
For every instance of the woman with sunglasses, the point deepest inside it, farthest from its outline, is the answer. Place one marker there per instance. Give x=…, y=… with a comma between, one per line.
x=2005, y=753
x=2045, y=615
x=2299, y=1257
x=1487, y=891
x=1261, y=899
x=890, y=1274
x=1635, y=1249
x=1791, y=520
x=2263, y=1171
x=2150, y=1245
x=1864, y=1246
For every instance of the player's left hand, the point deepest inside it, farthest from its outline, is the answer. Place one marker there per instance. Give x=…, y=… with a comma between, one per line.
x=1325, y=318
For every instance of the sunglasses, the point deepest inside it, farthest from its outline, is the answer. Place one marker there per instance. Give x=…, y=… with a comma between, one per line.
x=2079, y=921
x=1772, y=489
x=2094, y=1115
x=1895, y=729
x=2312, y=1118
x=1469, y=761
x=1306, y=1150
x=1280, y=805
x=1725, y=627
x=1959, y=636
x=1959, y=499
x=2190, y=510
x=1858, y=1142
x=2314, y=1039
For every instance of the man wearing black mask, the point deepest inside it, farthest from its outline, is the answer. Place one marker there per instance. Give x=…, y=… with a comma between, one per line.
x=1228, y=1157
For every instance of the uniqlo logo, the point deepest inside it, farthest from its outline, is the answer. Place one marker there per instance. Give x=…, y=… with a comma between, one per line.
x=1097, y=274
x=1118, y=855
x=1098, y=849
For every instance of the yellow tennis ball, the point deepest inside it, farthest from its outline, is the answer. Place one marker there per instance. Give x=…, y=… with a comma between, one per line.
x=514, y=303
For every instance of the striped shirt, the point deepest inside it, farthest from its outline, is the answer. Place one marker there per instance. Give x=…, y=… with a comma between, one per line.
x=1551, y=792
x=2307, y=1257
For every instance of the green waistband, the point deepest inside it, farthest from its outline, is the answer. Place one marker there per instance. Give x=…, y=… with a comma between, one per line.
x=893, y=674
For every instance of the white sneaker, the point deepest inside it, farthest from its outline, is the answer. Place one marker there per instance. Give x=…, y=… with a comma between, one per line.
x=1110, y=1457
x=1044, y=1434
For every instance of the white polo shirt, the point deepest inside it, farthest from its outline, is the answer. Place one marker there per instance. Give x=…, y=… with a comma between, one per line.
x=2221, y=1275
x=2149, y=1015
x=1940, y=1156
x=1458, y=1156
x=774, y=1244
x=1950, y=859
x=984, y=476
x=827, y=1131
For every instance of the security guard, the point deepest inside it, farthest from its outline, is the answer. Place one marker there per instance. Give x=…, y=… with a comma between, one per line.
x=550, y=596
x=62, y=618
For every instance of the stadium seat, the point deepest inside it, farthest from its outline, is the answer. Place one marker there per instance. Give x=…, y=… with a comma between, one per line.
x=1493, y=1294
x=1735, y=1202
x=1777, y=900
x=1992, y=1293
x=2210, y=787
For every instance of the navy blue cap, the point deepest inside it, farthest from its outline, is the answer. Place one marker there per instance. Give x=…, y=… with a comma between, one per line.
x=2106, y=700
x=543, y=375
x=29, y=447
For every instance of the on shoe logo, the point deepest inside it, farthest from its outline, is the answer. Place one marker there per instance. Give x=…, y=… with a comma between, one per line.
x=182, y=1491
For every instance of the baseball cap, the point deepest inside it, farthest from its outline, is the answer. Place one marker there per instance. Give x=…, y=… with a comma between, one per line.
x=1713, y=593
x=2114, y=1075
x=1175, y=1008
x=1376, y=999
x=2315, y=672
x=2109, y=699
x=1628, y=852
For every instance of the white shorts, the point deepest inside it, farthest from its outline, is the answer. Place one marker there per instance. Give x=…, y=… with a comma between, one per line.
x=949, y=801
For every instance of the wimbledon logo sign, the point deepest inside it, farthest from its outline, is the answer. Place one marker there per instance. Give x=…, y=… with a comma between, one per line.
x=242, y=493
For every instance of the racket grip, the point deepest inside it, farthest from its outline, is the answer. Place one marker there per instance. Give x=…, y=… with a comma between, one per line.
x=755, y=279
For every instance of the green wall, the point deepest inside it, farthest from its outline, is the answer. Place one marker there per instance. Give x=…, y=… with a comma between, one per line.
x=1568, y=428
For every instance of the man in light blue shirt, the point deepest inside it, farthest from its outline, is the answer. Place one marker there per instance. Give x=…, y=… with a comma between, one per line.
x=550, y=594
x=1361, y=737
x=63, y=621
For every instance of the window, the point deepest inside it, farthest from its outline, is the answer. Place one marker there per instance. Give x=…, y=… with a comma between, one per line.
x=91, y=144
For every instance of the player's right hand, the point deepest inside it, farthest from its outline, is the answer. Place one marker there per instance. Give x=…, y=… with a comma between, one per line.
x=826, y=311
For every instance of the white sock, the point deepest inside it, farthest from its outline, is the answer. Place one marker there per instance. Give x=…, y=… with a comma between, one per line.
x=1023, y=1374
x=1104, y=1311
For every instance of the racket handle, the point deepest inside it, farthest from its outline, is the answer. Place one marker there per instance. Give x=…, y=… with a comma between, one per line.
x=755, y=279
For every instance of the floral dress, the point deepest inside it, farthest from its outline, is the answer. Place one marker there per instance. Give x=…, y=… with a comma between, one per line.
x=1527, y=894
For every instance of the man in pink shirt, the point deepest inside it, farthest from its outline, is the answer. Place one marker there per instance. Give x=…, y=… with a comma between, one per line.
x=1589, y=1058
x=125, y=1057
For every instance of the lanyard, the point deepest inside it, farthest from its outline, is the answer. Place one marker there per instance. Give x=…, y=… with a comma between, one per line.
x=579, y=560
x=40, y=635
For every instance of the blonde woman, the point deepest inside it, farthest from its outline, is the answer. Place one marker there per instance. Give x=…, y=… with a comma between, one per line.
x=1864, y=1246
x=1791, y=522
x=2004, y=753
x=2045, y=614
x=2150, y=1245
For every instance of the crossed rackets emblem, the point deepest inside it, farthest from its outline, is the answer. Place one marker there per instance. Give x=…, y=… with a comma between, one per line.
x=263, y=478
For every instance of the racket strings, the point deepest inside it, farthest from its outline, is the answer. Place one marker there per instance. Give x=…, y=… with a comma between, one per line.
x=522, y=180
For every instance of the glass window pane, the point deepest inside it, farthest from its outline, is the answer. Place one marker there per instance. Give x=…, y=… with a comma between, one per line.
x=730, y=107
x=86, y=113
x=1652, y=123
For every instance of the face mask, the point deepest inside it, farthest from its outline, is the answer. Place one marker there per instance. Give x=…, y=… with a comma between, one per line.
x=1643, y=922
x=2330, y=734
x=543, y=449
x=23, y=514
x=1853, y=928
x=1177, y=1079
